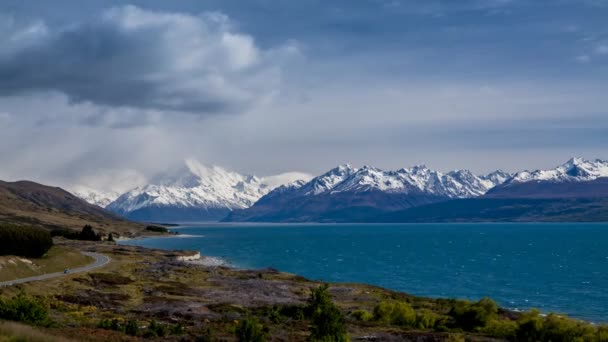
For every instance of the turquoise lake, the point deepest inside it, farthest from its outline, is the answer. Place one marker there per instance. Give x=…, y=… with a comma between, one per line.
x=554, y=267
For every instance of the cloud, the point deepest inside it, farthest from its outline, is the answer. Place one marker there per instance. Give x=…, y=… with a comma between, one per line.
x=583, y=59
x=134, y=59
x=602, y=49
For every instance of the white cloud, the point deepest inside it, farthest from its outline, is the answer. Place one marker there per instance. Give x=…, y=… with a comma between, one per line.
x=583, y=59
x=602, y=49
x=144, y=60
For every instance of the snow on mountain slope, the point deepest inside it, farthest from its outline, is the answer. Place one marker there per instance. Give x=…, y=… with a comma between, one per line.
x=417, y=179
x=574, y=170
x=92, y=196
x=196, y=186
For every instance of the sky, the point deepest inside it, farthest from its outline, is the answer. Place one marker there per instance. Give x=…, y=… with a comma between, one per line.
x=110, y=93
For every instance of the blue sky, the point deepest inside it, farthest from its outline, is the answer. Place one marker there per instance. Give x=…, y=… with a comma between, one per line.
x=114, y=87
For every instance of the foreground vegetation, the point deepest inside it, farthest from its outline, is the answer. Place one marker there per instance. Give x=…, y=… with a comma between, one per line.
x=148, y=295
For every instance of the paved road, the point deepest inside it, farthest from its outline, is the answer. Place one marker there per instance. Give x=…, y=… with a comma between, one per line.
x=100, y=261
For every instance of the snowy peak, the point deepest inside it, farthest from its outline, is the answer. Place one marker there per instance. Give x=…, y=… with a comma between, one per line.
x=327, y=181
x=497, y=177
x=574, y=170
x=418, y=179
x=95, y=197
x=197, y=187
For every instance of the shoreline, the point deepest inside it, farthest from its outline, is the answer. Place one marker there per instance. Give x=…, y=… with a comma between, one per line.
x=214, y=261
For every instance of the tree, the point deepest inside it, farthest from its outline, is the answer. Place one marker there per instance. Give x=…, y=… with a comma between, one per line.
x=111, y=237
x=88, y=234
x=327, y=319
x=250, y=330
x=24, y=241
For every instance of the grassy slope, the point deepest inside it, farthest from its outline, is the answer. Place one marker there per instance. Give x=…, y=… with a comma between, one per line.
x=50, y=207
x=57, y=259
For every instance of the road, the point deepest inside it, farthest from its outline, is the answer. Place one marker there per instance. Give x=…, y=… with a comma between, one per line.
x=100, y=261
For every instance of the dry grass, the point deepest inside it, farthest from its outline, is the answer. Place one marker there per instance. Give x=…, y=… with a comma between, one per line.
x=57, y=259
x=15, y=332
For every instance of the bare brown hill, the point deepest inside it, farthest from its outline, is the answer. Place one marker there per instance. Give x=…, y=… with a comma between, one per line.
x=26, y=202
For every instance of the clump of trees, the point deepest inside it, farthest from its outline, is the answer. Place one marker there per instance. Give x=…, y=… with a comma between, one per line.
x=24, y=241
x=86, y=234
x=157, y=229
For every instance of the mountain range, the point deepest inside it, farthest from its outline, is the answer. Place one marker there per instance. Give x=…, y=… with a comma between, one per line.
x=419, y=194
x=196, y=192
x=347, y=194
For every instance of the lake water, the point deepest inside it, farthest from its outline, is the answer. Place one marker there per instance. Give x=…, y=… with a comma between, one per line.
x=554, y=267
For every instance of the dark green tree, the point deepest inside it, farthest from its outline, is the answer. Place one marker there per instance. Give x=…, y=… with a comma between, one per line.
x=24, y=241
x=88, y=234
x=327, y=319
x=250, y=330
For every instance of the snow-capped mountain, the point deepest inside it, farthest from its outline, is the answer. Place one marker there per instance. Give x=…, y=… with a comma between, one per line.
x=577, y=178
x=574, y=170
x=346, y=192
x=93, y=196
x=195, y=192
x=418, y=179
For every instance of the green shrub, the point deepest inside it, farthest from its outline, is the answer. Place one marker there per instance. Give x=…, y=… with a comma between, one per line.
x=506, y=329
x=396, y=313
x=132, y=328
x=23, y=308
x=250, y=330
x=105, y=324
x=327, y=319
x=426, y=319
x=157, y=329
x=30, y=242
x=470, y=317
x=362, y=315
x=177, y=329
x=530, y=327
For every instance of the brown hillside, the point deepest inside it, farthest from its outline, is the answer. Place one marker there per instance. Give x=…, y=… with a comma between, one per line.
x=25, y=202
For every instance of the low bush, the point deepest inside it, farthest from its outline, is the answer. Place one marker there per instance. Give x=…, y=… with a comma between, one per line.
x=471, y=316
x=500, y=328
x=157, y=329
x=30, y=242
x=251, y=330
x=395, y=313
x=22, y=308
x=426, y=319
x=362, y=315
x=132, y=328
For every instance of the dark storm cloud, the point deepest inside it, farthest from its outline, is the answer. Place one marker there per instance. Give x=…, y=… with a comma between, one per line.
x=141, y=59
